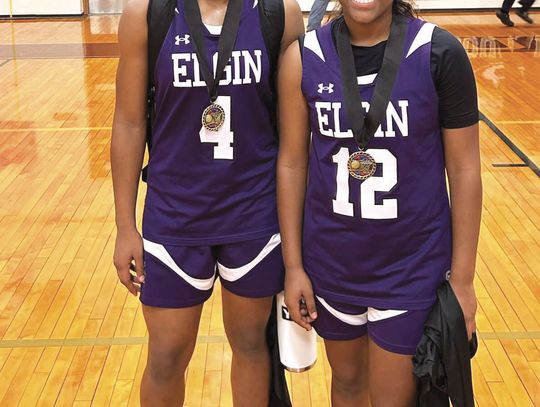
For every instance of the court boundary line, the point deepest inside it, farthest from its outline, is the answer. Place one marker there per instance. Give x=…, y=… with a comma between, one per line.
x=529, y=163
x=509, y=165
x=203, y=339
x=33, y=17
x=54, y=129
x=519, y=122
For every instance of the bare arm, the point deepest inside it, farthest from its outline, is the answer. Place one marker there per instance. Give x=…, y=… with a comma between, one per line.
x=291, y=184
x=129, y=135
x=294, y=24
x=289, y=80
x=462, y=154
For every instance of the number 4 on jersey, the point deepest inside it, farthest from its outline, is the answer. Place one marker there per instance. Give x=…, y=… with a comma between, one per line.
x=224, y=137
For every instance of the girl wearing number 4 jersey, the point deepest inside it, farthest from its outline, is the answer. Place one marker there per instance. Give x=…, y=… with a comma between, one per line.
x=364, y=258
x=210, y=207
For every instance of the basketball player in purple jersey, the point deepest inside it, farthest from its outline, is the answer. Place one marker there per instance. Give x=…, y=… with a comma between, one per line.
x=368, y=232
x=210, y=208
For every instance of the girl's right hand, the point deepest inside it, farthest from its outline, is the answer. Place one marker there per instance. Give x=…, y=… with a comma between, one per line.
x=299, y=298
x=129, y=247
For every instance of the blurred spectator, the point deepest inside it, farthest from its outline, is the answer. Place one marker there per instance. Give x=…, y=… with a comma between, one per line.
x=318, y=9
x=504, y=16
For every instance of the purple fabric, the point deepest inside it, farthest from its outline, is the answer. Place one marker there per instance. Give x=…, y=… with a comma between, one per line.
x=193, y=197
x=400, y=334
x=391, y=252
x=166, y=289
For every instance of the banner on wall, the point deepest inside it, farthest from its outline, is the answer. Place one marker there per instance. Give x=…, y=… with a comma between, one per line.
x=4, y=7
x=41, y=7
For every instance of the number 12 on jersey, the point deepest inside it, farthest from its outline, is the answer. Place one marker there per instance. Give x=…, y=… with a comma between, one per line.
x=224, y=137
x=368, y=208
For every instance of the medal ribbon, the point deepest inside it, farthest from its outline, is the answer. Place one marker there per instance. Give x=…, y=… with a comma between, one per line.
x=364, y=126
x=226, y=43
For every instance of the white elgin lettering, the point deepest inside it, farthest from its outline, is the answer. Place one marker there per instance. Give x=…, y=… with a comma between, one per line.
x=392, y=117
x=180, y=70
x=197, y=81
x=323, y=117
x=237, y=80
x=252, y=66
x=338, y=133
x=226, y=77
x=379, y=132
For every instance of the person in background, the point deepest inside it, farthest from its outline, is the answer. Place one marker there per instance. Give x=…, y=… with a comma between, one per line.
x=318, y=9
x=523, y=12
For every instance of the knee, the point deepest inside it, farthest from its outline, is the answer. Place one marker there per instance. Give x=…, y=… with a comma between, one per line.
x=249, y=343
x=349, y=381
x=167, y=363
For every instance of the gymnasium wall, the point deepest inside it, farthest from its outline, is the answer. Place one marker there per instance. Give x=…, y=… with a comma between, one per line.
x=53, y=7
x=436, y=4
x=41, y=7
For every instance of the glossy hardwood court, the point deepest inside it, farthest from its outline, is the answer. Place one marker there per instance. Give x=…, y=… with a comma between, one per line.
x=69, y=332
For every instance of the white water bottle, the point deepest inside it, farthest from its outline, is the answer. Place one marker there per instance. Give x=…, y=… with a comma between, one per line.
x=297, y=347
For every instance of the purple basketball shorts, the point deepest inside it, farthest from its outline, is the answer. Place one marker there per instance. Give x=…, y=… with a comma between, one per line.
x=393, y=330
x=184, y=276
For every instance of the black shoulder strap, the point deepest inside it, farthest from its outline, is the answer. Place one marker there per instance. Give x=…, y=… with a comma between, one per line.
x=159, y=16
x=272, y=14
x=301, y=40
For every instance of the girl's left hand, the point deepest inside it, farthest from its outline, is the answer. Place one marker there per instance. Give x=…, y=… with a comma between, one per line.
x=467, y=300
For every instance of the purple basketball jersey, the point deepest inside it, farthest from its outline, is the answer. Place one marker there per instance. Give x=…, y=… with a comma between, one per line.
x=212, y=187
x=384, y=242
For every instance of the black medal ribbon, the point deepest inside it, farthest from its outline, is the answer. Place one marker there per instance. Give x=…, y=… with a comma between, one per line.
x=364, y=125
x=227, y=40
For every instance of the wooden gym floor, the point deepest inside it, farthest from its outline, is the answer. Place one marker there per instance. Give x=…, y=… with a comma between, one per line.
x=69, y=332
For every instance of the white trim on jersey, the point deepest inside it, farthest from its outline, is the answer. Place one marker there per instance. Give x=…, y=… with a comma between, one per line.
x=161, y=253
x=423, y=37
x=367, y=79
x=234, y=274
x=371, y=315
x=311, y=42
x=255, y=3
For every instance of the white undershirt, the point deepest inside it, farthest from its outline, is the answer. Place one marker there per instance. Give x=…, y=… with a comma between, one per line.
x=214, y=29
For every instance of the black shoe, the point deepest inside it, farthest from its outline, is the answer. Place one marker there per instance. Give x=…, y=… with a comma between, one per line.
x=525, y=16
x=505, y=18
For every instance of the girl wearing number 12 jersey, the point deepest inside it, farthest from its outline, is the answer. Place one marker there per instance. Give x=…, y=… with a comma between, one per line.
x=364, y=258
x=210, y=208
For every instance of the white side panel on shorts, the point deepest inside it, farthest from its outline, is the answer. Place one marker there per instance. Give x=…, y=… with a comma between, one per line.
x=234, y=274
x=161, y=253
x=375, y=315
x=355, y=320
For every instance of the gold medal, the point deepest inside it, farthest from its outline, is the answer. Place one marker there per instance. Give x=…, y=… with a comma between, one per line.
x=213, y=117
x=361, y=165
